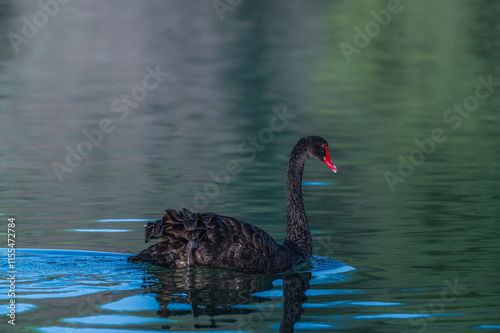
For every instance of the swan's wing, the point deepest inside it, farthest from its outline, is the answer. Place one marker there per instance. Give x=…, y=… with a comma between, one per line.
x=208, y=227
x=212, y=240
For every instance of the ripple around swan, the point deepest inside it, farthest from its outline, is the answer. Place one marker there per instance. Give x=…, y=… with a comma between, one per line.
x=113, y=319
x=67, y=274
x=133, y=303
x=58, y=329
x=143, y=295
x=20, y=307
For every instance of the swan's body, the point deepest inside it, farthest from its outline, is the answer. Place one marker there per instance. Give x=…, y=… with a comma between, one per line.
x=219, y=241
x=213, y=240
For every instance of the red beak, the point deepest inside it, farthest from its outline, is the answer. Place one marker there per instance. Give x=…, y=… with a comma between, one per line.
x=328, y=161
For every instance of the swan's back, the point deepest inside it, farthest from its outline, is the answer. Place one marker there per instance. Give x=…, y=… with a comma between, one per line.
x=212, y=240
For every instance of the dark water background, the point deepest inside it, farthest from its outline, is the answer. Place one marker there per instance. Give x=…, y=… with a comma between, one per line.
x=413, y=211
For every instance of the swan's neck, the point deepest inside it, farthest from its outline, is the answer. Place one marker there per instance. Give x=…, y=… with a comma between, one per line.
x=298, y=236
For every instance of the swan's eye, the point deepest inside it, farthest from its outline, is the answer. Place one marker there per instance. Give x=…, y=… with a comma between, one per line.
x=326, y=153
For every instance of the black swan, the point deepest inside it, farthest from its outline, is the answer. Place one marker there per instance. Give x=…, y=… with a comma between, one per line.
x=219, y=241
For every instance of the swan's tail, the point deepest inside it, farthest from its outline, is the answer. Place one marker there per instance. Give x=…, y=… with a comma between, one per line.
x=181, y=223
x=170, y=223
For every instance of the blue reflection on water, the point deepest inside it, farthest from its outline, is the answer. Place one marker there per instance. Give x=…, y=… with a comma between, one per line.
x=320, y=292
x=125, y=220
x=115, y=319
x=309, y=326
x=70, y=273
x=73, y=290
x=100, y=230
x=316, y=183
x=279, y=293
x=179, y=307
x=56, y=329
x=405, y=315
x=20, y=307
x=257, y=306
x=133, y=303
x=348, y=303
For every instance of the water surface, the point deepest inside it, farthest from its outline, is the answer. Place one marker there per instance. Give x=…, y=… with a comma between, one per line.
x=412, y=213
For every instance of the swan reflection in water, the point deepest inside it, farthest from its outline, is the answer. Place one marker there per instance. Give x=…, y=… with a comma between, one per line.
x=230, y=298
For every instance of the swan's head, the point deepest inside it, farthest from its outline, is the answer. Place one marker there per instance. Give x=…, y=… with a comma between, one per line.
x=318, y=149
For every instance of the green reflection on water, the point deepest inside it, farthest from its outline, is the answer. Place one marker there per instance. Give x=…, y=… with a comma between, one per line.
x=439, y=224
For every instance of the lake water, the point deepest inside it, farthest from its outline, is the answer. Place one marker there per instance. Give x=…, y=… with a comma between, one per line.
x=112, y=112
